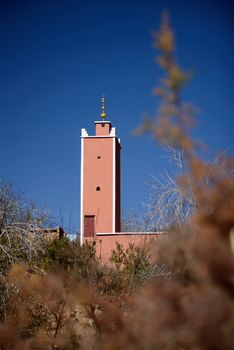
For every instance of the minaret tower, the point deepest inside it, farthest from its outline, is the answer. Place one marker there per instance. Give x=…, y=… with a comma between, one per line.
x=100, y=180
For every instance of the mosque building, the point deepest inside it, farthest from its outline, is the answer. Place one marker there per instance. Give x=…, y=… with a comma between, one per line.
x=100, y=207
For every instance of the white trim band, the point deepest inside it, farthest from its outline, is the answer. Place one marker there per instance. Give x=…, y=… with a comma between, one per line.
x=130, y=233
x=82, y=192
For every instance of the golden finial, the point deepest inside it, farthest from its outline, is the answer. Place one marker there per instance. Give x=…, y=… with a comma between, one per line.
x=103, y=114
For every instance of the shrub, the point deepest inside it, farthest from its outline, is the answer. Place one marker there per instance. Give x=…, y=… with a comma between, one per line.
x=132, y=264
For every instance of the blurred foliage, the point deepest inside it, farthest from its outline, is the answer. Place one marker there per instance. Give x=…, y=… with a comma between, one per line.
x=190, y=305
x=51, y=302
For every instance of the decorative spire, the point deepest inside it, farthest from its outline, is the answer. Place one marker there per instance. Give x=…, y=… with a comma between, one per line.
x=103, y=114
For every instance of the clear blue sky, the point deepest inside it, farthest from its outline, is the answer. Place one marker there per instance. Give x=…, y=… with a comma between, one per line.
x=58, y=57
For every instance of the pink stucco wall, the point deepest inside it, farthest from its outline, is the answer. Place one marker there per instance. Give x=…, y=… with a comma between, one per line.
x=100, y=180
x=105, y=243
x=103, y=128
x=98, y=172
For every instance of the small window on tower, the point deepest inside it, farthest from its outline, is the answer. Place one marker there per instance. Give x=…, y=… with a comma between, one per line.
x=98, y=189
x=98, y=157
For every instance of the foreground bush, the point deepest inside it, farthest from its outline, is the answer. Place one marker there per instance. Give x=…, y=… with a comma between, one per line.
x=38, y=312
x=193, y=308
x=59, y=303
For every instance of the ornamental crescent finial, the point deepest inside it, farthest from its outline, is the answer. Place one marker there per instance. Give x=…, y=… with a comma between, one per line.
x=103, y=114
